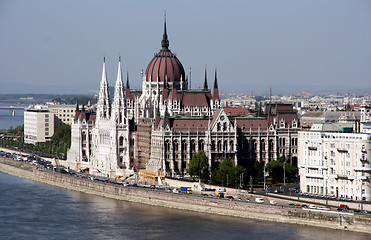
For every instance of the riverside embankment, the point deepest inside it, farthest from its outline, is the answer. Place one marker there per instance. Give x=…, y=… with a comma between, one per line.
x=356, y=223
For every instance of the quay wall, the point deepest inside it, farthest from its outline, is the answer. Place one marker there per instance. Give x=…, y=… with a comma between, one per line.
x=358, y=223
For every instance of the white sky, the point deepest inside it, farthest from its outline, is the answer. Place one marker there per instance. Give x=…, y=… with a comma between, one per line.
x=289, y=45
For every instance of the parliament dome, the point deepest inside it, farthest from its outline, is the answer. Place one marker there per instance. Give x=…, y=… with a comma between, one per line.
x=165, y=66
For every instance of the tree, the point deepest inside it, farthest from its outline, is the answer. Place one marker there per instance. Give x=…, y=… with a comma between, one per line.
x=275, y=169
x=227, y=173
x=199, y=166
x=62, y=139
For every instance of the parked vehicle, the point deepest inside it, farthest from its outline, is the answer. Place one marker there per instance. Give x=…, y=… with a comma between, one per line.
x=259, y=200
x=186, y=190
x=272, y=202
x=219, y=194
x=175, y=190
x=323, y=208
x=344, y=207
x=312, y=206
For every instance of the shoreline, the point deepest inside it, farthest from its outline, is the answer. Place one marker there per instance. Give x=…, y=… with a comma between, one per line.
x=182, y=202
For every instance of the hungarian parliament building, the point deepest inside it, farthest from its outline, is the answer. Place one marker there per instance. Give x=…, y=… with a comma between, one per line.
x=160, y=127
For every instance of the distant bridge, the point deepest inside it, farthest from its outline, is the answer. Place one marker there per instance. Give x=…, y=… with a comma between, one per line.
x=11, y=107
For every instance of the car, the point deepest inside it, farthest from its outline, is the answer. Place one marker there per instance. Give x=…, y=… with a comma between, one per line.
x=312, y=206
x=167, y=190
x=153, y=187
x=204, y=194
x=323, y=208
x=297, y=205
x=247, y=199
x=272, y=202
x=229, y=197
x=304, y=205
x=291, y=205
x=259, y=200
x=210, y=196
x=175, y=190
x=344, y=206
x=239, y=199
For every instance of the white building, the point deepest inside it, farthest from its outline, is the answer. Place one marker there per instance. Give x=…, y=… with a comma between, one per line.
x=38, y=124
x=333, y=160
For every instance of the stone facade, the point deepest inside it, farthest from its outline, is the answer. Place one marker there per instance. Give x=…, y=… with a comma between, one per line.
x=333, y=162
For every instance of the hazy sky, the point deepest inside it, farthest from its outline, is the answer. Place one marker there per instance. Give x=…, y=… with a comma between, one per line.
x=289, y=45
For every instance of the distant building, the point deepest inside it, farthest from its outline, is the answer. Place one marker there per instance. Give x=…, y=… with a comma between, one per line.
x=39, y=124
x=366, y=113
x=64, y=113
x=335, y=160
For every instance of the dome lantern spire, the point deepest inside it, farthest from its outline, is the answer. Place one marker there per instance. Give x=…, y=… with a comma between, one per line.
x=165, y=41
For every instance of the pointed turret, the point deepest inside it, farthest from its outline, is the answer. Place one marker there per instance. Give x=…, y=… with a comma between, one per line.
x=119, y=104
x=216, y=91
x=205, y=83
x=104, y=106
x=127, y=80
x=165, y=41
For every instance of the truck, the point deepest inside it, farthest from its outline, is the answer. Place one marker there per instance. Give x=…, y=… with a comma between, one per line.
x=219, y=194
x=186, y=190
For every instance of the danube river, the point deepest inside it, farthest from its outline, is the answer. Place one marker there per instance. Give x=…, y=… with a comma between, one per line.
x=31, y=210
x=7, y=120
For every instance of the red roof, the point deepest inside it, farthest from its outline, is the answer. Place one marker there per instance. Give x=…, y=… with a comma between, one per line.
x=190, y=125
x=234, y=112
x=191, y=99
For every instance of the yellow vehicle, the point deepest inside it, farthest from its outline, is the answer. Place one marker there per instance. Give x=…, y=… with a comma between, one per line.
x=219, y=194
x=186, y=190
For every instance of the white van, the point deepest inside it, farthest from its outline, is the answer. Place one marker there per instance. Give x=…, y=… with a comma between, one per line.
x=259, y=200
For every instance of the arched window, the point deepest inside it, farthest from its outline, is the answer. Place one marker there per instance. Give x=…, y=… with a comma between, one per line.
x=121, y=141
x=225, y=126
x=213, y=145
x=218, y=127
x=201, y=145
x=219, y=145
x=175, y=146
x=193, y=145
x=225, y=146
x=231, y=146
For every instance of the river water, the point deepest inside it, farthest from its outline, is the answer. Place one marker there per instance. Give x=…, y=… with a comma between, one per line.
x=31, y=210
x=7, y=120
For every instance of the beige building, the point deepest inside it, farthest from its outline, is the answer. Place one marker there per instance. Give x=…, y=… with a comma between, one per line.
x=64, y=113
x=333, y=160
x=38, y=124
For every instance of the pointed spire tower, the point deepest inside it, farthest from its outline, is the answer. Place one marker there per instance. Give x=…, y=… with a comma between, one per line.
x=205, y=83
x=119, y=103
x=165, y=41
x=103, y=106
x=127, y=80
x=216, y=99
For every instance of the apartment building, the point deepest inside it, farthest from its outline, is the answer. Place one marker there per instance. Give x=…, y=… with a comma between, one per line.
x=64, y=113
x=38, y=124
x=335, y=160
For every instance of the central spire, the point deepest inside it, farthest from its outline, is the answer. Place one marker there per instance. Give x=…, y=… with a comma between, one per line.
x=165, y=41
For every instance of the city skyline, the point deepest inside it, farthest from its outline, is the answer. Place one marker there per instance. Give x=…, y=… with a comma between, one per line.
x=58, y=47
